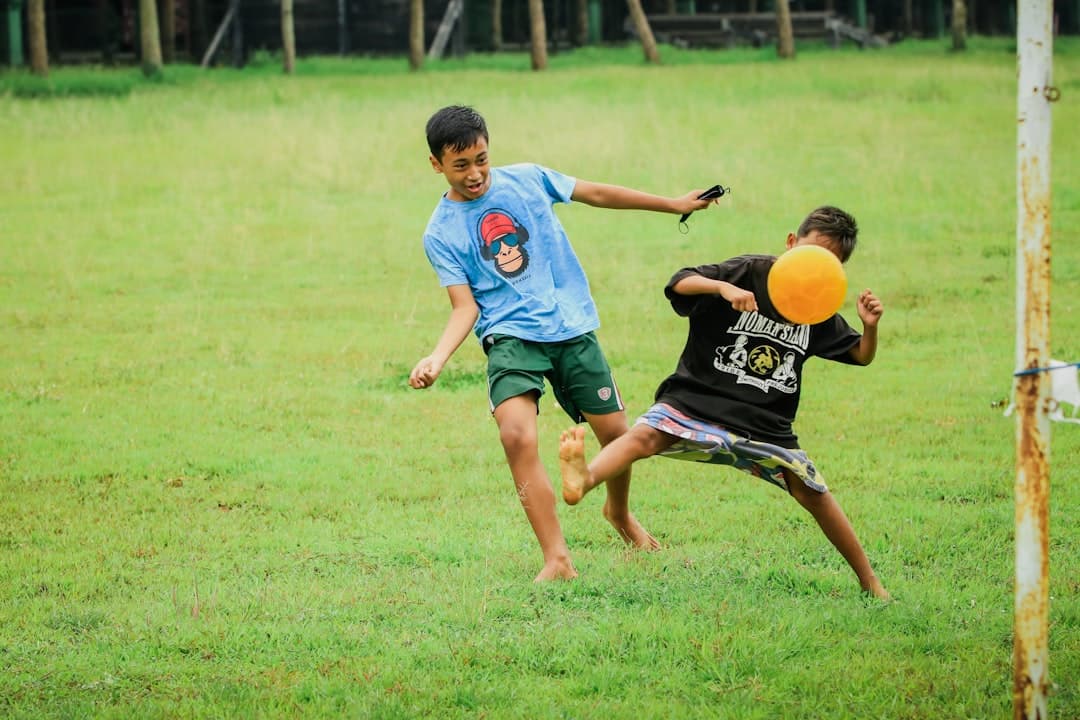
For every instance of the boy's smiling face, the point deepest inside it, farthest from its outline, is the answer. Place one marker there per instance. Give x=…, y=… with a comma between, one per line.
x=467, y=171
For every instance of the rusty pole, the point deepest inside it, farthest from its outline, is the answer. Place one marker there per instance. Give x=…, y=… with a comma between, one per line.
x=1031, y=388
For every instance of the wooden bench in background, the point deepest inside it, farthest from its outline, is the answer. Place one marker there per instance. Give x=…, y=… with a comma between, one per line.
x=713, y=30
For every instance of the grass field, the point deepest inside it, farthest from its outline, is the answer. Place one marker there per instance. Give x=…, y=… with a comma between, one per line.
x=219, y=498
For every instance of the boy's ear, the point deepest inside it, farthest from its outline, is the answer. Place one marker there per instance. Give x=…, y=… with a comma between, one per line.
x=435, y=164
x=791, y=240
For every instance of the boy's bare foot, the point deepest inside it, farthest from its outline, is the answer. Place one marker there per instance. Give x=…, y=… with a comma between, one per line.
x=630, y=530
x=561, y=569
x=572, y=465
x=875, y=588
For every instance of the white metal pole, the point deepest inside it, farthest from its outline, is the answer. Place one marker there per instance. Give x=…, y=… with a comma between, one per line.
x=1031, y=389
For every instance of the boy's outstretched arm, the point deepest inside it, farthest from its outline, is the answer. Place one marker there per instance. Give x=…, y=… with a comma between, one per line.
x=742, y=300
x=617, y=197
x=870, y=312
x=463, y=314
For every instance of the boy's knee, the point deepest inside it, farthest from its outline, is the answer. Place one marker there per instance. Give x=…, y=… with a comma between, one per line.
x=806, y=496
x=608, y=428
x=517, y=439
x=646, y=441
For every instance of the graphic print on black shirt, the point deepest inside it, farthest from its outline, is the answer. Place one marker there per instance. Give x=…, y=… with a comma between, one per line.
x=754, y=358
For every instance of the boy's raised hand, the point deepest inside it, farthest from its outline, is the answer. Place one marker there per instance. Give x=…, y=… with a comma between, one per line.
x=425, y=373
x=870, y=308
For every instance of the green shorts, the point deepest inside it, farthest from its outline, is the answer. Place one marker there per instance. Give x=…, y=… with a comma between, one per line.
x=577, y=370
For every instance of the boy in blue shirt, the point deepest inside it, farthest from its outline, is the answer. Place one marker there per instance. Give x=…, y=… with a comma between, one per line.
x=735, y=391
x=513, y=278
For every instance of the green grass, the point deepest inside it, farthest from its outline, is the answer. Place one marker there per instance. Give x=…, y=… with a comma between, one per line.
x=220, y=499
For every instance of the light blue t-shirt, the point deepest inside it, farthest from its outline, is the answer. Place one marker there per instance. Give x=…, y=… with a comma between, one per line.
x=511, y=250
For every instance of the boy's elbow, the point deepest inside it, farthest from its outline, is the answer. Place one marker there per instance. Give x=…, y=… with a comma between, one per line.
x=861, y=357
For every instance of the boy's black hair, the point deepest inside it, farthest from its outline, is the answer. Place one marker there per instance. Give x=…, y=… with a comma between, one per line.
x=456, y=127
x=835, y=223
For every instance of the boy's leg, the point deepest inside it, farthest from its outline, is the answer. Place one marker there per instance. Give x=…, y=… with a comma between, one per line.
x=516, y=418
x=608, y=428
x=834, y=523
x=610, y=464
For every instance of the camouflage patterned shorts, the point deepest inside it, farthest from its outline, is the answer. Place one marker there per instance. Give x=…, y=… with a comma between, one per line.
x=701, y=442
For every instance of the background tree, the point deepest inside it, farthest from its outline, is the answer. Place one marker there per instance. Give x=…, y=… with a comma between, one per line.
x=416, y=34
x=496, y=25
x=641, y=27
x=581, y=22
x=35, y=26
x=150, y=37
x=644, y=31
x=959, y=25
x=785, y=36
x=538, y=34
x=288, y=37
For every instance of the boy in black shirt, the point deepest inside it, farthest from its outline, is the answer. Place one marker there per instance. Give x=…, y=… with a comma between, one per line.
x=734, y=395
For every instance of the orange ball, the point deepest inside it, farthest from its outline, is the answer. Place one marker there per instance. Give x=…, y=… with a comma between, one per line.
x=807, y=284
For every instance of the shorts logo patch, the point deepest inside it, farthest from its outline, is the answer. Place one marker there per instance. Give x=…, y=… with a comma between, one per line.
x=604, y=393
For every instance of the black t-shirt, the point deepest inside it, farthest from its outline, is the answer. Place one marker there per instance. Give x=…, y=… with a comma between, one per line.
x=743, y=370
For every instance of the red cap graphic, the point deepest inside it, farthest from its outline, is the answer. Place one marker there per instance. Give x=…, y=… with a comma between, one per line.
x=494, y=226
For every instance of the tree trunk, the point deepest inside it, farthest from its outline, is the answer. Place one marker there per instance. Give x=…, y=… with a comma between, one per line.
x=538, y=34
x=959, y=25
x=288, y=37
x=344, y=36
x=496, y=25
x=168, y=30
x=150, y=38
x=35, y=25
x=641, y=27
x=785, y=37
x=416, y=34
x=581, y=22
x=909, y=18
